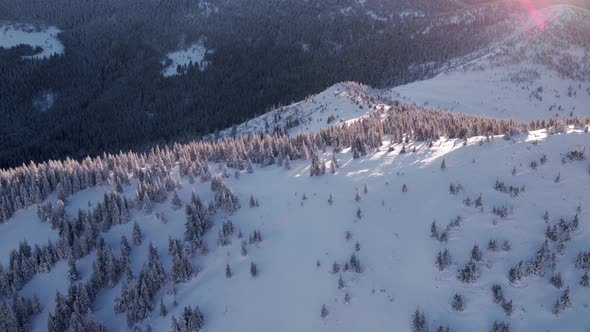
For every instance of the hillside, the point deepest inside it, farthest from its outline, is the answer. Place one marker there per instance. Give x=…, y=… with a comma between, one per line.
x=355, y=237
x=541, y=72
x=534, y=73
x=355, y=209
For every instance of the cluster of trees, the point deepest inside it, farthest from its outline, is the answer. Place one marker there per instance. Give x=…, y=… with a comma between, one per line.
x=197, y=221
x=402, y=123
x=192, y=320
x=15, y=312
x=73, y=312
x=513, y=191
x=181, y=254
x=136, y=298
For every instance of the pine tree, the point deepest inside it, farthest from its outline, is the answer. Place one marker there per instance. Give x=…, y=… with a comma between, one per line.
x=324, y=311
x=404, y=188
x=137, y=235
x=419, y=323
x=72, y=271
x=433, y=230
x=443, y=165
x=176, y=201
x=340, y=282
x=253, y=270
x=564, y=299
x=174, y=326
x=330, y=200
x=125, y=247
x=469, y=273
x=556, y=280
x=507, y=306
x=476, y=253
x=585, y=280
x=497, y=293
x=346, y=298
x=458, y=304
x=227, y=272
x=163, y=310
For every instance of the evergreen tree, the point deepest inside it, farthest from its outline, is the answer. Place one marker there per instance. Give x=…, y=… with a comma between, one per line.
x=125, y=247
x=585, y=280
x=458, y=304
x=253, y=270
x=419, y=323
x=228, y=272
x=72, y=271
x=476, y=253
x=176, y=201
x=163, y=310
x=497, y=293
x=324, y=311
x=137, y=235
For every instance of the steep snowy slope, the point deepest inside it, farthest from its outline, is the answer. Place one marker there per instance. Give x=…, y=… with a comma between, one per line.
x=392, y=229
x=339, y=103
x=543, y=72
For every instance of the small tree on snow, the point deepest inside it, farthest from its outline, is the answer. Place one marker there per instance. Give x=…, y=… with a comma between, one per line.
x=137, y=235
x=324, y=311
x=176, y=201
x=419, y=323
x=585, y=280
x=228, y=272
x=458, y=304
x=476, y=253
x=163, y=310
x=443, y=165
x=253, y=270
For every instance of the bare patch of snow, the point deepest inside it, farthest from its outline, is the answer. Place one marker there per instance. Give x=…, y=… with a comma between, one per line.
x=12, y=35
x=177, y=62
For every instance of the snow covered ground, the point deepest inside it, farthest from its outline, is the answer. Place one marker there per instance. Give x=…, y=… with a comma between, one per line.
x=194, y=54
x=397, y=253
x=541, y=72
x=12, y=35
x=525, y=184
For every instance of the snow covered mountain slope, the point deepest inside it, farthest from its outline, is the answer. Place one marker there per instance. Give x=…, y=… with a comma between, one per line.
x=308, y=242
x=337, y=104
x=542, y=72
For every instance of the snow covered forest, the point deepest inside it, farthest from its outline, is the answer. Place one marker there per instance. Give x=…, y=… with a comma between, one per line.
x=454, y=203
x=265, y=54
x=110, y=219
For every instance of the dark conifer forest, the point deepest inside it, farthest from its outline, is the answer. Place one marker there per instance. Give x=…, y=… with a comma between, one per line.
x=110, y=94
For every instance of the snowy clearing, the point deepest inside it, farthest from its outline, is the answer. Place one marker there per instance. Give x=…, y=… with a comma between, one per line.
x=12, y=35
x=178, y=62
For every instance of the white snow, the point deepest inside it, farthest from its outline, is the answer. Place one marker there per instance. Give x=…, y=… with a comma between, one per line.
x=12, y=35
x=505, y=82
x=396, y=253
x=194, y=54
